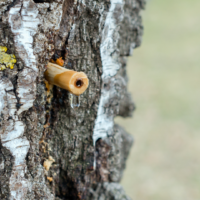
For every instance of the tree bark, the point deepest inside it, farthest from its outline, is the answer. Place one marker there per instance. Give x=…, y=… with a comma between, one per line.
x=49, y=150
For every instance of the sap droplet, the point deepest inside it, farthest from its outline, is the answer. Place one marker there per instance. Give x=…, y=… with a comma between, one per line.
x=74, y=101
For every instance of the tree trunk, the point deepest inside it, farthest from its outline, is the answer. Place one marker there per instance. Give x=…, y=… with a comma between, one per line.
x=49, y=150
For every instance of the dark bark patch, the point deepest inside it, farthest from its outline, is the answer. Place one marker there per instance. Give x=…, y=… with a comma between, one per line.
x=6, y=165
x=102, y=153
x=67, y=187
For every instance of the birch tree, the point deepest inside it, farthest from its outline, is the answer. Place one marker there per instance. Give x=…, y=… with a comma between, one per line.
x=48, y=149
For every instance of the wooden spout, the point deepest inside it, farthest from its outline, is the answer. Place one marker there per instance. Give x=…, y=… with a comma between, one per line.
x=75, y=82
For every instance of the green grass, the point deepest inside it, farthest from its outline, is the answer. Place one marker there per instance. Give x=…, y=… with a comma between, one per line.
x=164, y=79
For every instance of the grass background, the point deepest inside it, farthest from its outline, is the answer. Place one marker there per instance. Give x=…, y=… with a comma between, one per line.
x=164, y=79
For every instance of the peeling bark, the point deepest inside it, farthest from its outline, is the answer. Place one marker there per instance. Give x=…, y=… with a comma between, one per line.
x=49, y=150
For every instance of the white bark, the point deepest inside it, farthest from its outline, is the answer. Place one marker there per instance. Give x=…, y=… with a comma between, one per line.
x=110, y=64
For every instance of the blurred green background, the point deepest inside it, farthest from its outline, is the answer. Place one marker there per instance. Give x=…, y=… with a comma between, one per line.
x=164, y=80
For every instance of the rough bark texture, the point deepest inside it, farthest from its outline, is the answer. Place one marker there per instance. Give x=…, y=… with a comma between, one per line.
x=49, y=150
